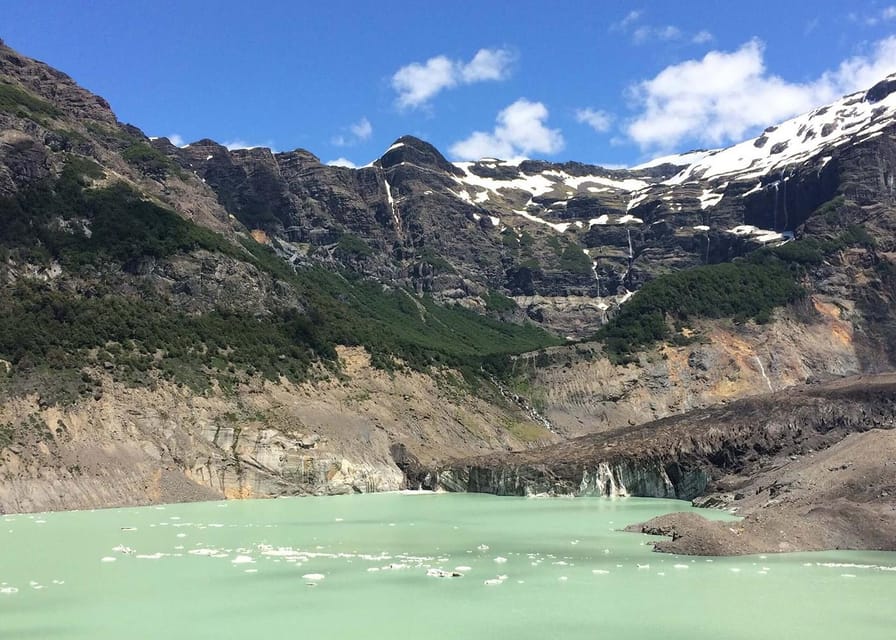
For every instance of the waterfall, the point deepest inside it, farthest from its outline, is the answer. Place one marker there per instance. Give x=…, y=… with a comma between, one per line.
x=784, y=199
x=775, y=223
x=762, y=371
x=631, y=256
x=593, y=270
x=392, y=203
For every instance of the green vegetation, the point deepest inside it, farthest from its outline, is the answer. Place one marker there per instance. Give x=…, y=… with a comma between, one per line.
x=7, y=433
x=573, y=259
x=509, y=240
x=80, y=227
x=44, y=328
x=750, y=288
x=498, y=302
x=830, y=210
x=23, y=104
x=352, y=246
x=430, y=257
x=525, y=431
x=150, y=161
x=125, y=327
x=812, y=251
x=555, y=244
x=739, y=290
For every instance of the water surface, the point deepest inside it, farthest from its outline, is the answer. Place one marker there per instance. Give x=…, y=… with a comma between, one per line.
x=357, y=567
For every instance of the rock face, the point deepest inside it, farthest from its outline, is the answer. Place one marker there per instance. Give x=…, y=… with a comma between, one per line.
x=839, y=498
x=686, y=456
x=167, y=444
x=554, y=233
x=566, y=241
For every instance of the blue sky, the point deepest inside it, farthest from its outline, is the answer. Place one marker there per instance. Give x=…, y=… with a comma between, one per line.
x=601, y=82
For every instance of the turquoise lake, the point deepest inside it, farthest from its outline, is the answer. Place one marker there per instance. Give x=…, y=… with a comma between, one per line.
x=358, y=567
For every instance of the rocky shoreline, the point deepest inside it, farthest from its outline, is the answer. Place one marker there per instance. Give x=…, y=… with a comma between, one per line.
x=810, y=468
x=841, y=498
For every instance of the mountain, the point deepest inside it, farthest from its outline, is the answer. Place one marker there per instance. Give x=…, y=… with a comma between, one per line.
x=185, y=322
x=566, y=241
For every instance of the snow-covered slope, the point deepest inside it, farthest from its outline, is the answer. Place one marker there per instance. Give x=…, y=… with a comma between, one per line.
x=576, y=196
x=852, y=119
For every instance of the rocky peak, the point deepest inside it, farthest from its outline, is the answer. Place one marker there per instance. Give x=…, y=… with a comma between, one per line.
x=53, y=86
x=882, y=89
x=411, y=150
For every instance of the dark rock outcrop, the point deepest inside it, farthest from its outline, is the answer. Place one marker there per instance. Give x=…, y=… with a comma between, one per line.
x=686, y=456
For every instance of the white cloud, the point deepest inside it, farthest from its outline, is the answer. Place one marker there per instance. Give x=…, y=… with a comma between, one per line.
x=417, y=83
x=342, y=162
x=724, y=95
x=362, y=129
x=647, y=33
x=630, y=18
x=520, y=130
x=884, y=15
x=598, y=120
x=177, y=140
x=643, y=33
x=358, y=132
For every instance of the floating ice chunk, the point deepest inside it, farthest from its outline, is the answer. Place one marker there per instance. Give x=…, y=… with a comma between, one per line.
x=463, y=567
x=500, y=559
x=442, y=573
x=483, y=547
x=493, y=582
x=107, y=559
x=600, y=572
x=680, y=566
x=8, y=590
x=316, y=577
x=643, y=566
x=562, y=578
x=149, y=556
x=243, y=560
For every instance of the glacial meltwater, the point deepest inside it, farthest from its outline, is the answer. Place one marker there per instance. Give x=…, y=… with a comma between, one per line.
x=368, y=567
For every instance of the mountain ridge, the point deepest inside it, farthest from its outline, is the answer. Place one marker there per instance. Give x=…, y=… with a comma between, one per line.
x=255, y=323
